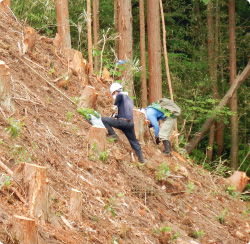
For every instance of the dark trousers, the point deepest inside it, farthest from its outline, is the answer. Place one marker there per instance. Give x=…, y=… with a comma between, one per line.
x=128, y=128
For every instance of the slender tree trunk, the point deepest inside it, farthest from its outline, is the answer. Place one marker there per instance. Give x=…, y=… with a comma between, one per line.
x=96, y=32
x=211, y=55
x=200, y=134
x=234, y=99
x=166, y=53
x=143, y=55
x=219, y=131
x=199, y=22
x=116, y=25
x=89, y=37
x=126, y=43
x=154, y=50
x=63, y=27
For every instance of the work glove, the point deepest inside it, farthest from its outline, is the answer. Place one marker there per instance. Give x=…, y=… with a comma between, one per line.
x=157, y=140
x=114, y=115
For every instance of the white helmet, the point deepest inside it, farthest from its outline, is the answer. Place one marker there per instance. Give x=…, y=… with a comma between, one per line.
x=115, y=87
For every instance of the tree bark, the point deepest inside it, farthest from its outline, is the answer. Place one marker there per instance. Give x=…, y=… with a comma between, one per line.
x=154, y=50
x=76, y=205
x=35, y=182
x=200, y=134
x=126, y=43
x=89, y=36
x=63, y=27
x=96, y=33
x=88, y=98
x=211, y=56
x=97, y=140
x=140, y=126
x=5, y=92
x=116, y=26
x=143, y=56
x=219, y=126
x=234, y=99
x=25, y=230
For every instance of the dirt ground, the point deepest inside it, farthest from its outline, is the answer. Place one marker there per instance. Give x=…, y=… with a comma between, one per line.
x=123, y=202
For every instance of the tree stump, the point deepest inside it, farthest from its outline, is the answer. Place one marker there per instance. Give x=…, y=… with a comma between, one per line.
x=35, y=183
x=239, y=180
x=25, y=230
x=140, y=127
x=4, y=6
x=5, y=93
x=97, y=140
x=88, y=98
x=78, y=64
x=29, y=40
x=76, y=205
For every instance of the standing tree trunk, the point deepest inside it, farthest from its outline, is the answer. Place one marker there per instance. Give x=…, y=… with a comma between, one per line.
x=143, y=55
x=219, y=125
x=126, y=43
x=116, y=25
x=211, y=56
x=200, y=134
x=63, y=27
x=89, y=36
x=234, y=99
x=154, y=50
x=96, y=32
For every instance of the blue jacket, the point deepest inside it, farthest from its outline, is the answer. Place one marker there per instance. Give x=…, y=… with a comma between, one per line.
x=125, y=106
x=154, y=115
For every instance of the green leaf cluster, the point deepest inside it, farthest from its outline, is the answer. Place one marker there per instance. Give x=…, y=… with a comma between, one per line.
x=86, y=112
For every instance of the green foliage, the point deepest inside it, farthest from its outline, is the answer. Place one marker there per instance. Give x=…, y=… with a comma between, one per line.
x=5, y=180
x=190, y=187
x=222, y=217
x=69, y=116
x=196, y=234
x=86, y=112
x=104, y=156
x=110, y=207
x=15, y=128
x=231, y=190
x=163, y=171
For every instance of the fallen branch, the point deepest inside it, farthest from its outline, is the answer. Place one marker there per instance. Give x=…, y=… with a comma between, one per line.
x=14, y=190
x=4, y=167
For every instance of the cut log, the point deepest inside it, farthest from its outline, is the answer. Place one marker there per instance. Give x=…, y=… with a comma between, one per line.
x=34, y=180
x=29, y=40
x=78, y=63
x=97, y=140
x=5, y=92
x=25, y=230
x=88, y=98
x=76, y=205
x=239, y=180
x=140, y=126
x=4, y=5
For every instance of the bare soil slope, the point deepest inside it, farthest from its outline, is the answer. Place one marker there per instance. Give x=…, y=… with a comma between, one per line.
x=123, y=201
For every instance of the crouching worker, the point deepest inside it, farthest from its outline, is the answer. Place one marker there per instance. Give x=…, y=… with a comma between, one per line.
x=123, y=120
x=165, y=110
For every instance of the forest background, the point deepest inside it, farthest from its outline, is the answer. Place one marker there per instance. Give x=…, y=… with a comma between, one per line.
x=187, y=34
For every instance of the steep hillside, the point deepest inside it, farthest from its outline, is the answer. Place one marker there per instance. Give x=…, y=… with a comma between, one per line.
x=123, y=201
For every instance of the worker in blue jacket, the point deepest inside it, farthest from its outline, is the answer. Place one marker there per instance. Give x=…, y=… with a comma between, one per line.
x=165, y=110
x=123, y=120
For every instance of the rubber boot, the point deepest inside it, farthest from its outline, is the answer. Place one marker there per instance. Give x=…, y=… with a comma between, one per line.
x=140, y=157
x=167, y=146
